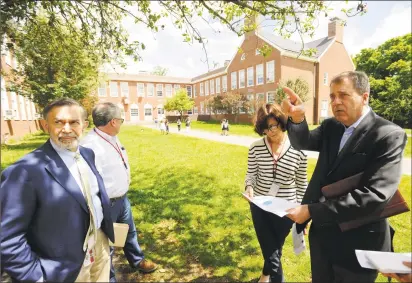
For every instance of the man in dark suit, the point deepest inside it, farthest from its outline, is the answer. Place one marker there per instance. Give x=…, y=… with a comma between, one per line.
x=355, y=140
x=55, y=213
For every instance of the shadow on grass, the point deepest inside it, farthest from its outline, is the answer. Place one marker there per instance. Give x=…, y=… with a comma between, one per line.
x=179, y=240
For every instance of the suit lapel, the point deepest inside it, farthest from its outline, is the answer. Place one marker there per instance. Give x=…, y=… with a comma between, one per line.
x=62, y=175
x=334, y=144
x=356, y=137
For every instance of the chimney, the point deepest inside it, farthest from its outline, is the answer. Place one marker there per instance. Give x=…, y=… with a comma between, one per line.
x=226, y=63
x=252, y=24
x=335, y=29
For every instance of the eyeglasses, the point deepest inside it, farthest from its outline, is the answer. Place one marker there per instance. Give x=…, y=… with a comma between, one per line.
x=273, y=127
x=121, y=120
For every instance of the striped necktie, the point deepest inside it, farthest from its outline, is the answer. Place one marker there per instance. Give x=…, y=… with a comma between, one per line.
x=91, y=235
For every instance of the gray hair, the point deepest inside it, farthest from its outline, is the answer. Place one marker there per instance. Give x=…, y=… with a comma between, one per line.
x=359, y=80
x=104, y=112
x=64, y=101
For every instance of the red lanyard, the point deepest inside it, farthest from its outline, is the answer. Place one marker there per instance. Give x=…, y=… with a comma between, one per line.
x=115, y=147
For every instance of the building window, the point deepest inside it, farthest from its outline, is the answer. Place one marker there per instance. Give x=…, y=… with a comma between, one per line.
x=195, y=110
x=241, y=78
x=243, y=57
x=217, y=85
x=160, y=110
x=224, y=83
x=194, y=90
x=189, y=90
x=22, y=108
x=134, y=112
x=206, y=88
x=176, y=88
x=28, y=109
x=33, y=108
x=250, y=76
x=251, y=106
x=201, y=90
x=270, y=97
x=212, y=86
x=102, y=90
x=233, y=80
x=260, y=97
x=148, y=111
x=124, y=88
x=325, y=78
x=4, y=98
x=150, y=90
x=270, y=72
x=168, y=90
x=259, y=74
x=324, y=109
x=113, y=89
x=257, y=52
x=202, y=107
x=159, y=89
x=14, y=106
x=140, y=90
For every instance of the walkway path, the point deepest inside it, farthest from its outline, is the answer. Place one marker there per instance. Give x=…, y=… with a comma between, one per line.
x=246, y=141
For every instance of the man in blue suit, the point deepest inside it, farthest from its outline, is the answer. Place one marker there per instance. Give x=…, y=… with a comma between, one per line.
x=55, y=213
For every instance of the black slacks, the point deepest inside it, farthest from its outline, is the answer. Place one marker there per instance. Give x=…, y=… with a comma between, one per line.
x=271, y=231
x=332, y=252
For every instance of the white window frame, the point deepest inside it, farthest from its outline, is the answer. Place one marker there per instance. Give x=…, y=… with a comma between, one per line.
x=224, y=84
x=159, y=90
x=176, y=88
x=195, y=110
x=206, y=88
x=194, y=90
x=257, y=52
x=325, y=78
x=260, y=75
x=202, y=93
x=102, y=90
x=169, y=90
x=243, y=57
x=160, y=110
x=134, y=107
x=324, y=108
x=150, y=90
x=22, y=108
x=217, y=85
x=28, y=109
x=270, y=72
x=233, y=80
x=212, y=86
x=242, y=78
x=140, y=89
x=14, y=105
x=267, y=96
x=4, y=97
x=114, y=91
x=189, y=93
x=250, y=76
x=124, y=89
x=202, y=107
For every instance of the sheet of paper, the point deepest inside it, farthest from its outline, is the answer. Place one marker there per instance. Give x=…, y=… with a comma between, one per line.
x=385, y=262
x=272, y=204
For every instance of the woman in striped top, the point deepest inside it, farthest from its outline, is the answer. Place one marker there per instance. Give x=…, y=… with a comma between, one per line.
x=274, y=168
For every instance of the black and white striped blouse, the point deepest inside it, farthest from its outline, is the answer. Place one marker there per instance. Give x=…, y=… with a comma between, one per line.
x=289, y=173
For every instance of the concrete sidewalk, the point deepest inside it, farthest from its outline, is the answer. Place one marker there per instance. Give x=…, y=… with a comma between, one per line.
x=247, y=141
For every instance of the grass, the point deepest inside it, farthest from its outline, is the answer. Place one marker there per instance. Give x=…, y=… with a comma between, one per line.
x=185, y=194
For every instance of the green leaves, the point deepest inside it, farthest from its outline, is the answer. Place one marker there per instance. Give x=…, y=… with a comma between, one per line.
x=389, y=67
x=179, y=102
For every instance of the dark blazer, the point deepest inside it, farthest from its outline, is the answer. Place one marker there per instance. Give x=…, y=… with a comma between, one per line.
x=44, y=217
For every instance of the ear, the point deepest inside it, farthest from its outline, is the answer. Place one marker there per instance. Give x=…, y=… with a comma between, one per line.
x=45, y=125
x=85, y=125
x=365, y=97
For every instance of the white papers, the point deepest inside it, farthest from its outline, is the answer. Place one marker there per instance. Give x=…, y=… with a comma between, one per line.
x=271, y=204
x=385, y=262
x=298, y=240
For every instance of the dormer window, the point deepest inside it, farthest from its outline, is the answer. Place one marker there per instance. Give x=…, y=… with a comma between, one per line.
x=243, y=57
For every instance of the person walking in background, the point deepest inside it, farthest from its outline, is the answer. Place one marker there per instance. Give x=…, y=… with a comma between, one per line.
x=355, y=141
x=222, y=126
x=55, y=213
x=162, y=127
x=179, y=124
x=188, y=124
x=167, y=126
x=226, y=127
x=274, y=168
x=112, y=163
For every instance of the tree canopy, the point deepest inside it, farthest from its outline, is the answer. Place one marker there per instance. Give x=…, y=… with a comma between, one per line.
x=298, y=85
x=159, y=71
x=389, y=69
x=230, y=103
x=180, y=102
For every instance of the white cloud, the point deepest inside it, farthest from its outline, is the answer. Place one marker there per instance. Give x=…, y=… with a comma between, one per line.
x=397, y=23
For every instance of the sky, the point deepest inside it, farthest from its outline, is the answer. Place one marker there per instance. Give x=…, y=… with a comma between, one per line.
x=383, y=20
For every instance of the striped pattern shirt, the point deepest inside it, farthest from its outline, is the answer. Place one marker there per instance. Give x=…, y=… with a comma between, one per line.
x=289, y=173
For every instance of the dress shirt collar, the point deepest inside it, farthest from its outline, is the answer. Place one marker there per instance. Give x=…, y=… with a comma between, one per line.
x=106, y=136
x=63, y=151
x=356, y=124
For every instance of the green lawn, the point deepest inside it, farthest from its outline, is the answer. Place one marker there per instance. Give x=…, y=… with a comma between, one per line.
x=186, y=200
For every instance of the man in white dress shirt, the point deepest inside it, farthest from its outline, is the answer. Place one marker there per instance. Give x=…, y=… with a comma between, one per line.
x=112, y=163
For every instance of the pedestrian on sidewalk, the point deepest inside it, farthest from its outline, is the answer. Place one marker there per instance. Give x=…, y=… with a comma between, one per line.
x=188, y=124
x=167, y=126
x=179, y=125
x=162, y=127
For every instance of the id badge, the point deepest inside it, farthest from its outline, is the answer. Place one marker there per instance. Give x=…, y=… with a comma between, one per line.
x=274, y=188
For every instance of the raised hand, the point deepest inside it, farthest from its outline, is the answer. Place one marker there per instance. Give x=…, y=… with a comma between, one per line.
x=293, y=106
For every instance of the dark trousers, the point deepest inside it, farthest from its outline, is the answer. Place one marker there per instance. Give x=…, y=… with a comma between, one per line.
x=271, y=231
x=121, y=212
x=332, y=252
